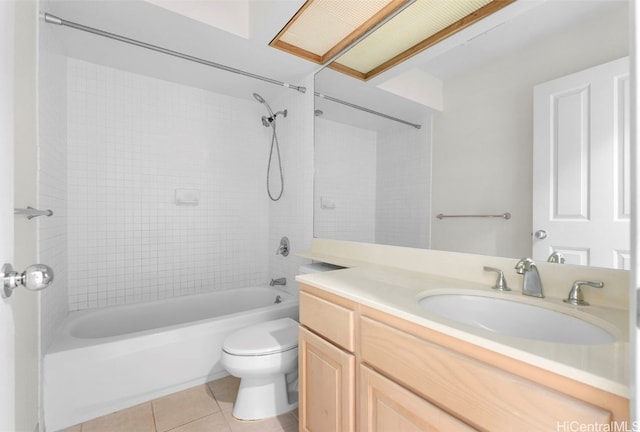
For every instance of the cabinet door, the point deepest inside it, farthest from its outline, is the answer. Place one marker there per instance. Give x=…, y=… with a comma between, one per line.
x=483, y=395
x=327, y=385
x=386, y=406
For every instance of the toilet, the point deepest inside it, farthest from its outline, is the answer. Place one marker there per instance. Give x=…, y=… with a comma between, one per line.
x=265, y=358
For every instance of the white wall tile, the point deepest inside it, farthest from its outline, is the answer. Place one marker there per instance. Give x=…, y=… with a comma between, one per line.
x=345, y=160
x=378, y=182
x=404, y=186
x=292, y=215
x=134, y=140
x=52, y=181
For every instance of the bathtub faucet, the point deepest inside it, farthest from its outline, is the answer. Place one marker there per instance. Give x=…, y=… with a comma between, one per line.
x=279, y=281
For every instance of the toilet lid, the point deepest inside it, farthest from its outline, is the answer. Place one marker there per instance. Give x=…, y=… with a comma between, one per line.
x=263, y=338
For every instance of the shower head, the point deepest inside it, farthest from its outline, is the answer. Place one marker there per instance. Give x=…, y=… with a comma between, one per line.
x=264, y=102
x=267, y=121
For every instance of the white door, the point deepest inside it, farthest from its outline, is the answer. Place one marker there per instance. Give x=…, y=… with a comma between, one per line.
x=7, y=351
x=581, y=179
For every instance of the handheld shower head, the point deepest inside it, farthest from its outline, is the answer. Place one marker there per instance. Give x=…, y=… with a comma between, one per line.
x=264, y=102
x=268, y=121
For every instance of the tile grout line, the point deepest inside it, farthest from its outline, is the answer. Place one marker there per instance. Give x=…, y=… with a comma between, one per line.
x=227, y=418
x=153, y=414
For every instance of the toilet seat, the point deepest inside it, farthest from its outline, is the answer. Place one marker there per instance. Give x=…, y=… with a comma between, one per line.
x=263, y=338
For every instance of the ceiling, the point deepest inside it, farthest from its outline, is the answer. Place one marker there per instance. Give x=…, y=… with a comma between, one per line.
x=245, y=45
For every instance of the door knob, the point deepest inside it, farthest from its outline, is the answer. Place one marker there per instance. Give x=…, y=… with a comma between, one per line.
x=540, y=234
x=34, y=278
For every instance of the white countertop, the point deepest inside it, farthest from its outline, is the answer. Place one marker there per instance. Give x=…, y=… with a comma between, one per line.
x=396, y=292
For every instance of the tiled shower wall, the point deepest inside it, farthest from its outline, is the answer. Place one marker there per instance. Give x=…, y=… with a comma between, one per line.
x=52, y=180
x=377, y=183
x=402, y=212
x=292, y=215
x=133, y=142
x=345, y=182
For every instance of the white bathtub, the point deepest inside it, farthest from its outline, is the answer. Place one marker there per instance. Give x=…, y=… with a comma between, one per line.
x=112, y=358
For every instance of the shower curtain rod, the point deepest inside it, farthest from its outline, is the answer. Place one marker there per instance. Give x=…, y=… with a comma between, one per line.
x=370, y=111
x=51, y=19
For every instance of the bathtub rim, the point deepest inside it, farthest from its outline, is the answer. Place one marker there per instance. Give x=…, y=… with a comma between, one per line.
x=63, y=340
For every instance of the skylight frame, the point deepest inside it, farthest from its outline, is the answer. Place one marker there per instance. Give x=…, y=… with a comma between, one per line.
x=322, y=58
x=405, y=53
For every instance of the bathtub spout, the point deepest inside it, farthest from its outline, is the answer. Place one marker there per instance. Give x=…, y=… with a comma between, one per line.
x=279, y=281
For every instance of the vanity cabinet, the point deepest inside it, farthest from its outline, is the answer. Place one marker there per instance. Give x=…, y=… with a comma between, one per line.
x=386, y=406
x=366, y=370
x=326, y=365
x=327, y=385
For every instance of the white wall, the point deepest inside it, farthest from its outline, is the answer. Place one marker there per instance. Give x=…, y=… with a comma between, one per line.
x=7, y=325
x=132, y=141
x=345, y=176
x=634, y=319
x=482, y=151
x=26, y=303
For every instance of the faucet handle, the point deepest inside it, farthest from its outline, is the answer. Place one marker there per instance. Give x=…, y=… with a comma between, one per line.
x=556, y=257
x=283, y=247
x=501, y=282
x=576, y=297
x=524, y=265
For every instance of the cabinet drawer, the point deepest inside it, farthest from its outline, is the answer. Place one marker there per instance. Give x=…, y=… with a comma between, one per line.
x=481, y=395
x=335, y=323
x=386, y=406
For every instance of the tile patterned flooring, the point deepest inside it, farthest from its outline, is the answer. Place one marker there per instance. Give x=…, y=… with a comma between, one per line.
x=204, y=408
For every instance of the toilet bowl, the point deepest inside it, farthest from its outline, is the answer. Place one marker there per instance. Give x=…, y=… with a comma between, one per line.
x=265, y=358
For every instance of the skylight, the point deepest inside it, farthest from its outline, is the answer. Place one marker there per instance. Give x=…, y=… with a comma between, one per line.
x=321, y=29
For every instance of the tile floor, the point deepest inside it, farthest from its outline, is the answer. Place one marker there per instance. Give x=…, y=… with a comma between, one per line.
x=204, y=408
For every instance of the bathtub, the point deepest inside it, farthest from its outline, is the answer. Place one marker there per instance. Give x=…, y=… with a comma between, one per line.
x=113, y=358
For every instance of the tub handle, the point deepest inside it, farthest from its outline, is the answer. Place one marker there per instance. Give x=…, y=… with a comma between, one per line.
x=283, y=247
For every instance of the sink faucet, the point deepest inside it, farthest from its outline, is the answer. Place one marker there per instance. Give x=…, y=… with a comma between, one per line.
x=279, y=281
x=531, y=284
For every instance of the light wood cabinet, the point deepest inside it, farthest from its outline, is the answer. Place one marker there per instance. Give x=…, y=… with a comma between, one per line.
x=386, y=406
x=326, y=369
x=410, y=378
x=475, y=392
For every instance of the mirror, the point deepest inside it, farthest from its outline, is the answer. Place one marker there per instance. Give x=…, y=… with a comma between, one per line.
x=378, y=180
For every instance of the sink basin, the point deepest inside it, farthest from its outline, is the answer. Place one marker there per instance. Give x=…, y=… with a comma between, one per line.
x=517, y=319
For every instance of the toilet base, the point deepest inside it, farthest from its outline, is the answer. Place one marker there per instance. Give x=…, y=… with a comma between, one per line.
x=263, y=397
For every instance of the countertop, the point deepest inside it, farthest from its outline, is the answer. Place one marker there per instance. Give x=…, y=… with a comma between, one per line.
x=396, y=292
